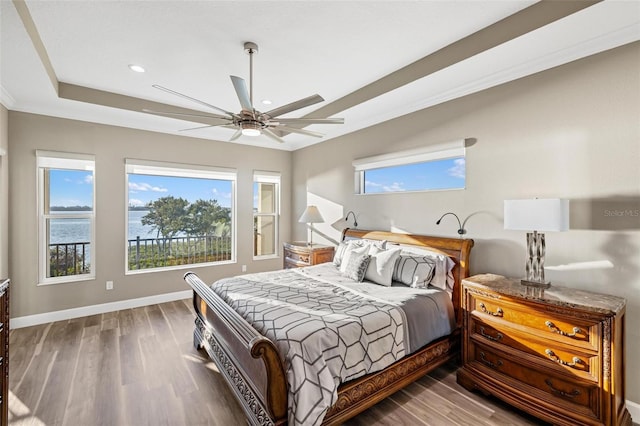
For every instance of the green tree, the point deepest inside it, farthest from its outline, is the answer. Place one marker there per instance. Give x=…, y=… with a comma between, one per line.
x=204, y=216
x=222, y=228
x=167, y=216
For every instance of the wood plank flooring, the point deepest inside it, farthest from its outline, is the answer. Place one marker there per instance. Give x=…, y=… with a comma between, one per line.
x=138, y=367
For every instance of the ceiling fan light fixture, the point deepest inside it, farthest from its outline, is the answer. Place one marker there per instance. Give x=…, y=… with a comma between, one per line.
x=250, y=128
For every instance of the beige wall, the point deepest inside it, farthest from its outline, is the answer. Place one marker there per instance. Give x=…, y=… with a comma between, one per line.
x=111, y=145
x=4, y=192
x=570, y=132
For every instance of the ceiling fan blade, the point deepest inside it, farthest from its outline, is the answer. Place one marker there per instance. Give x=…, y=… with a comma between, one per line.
x=306, y=121
x=313, y=99
x=199, y=127
x=272, y=135
x=300, y=131
x=181, y=114
x=173, y=92
x=236, y=135
x=241, y=90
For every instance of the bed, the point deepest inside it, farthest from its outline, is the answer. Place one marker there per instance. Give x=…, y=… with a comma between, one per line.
x=257, y=374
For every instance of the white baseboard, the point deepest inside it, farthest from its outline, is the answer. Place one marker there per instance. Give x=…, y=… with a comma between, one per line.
x=29, y=320
x=634, y=410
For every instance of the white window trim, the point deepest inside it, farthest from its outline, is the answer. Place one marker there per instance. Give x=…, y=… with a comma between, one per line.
x=260, y=176
x=69, y=161
x=159, y=168
x=441, y=151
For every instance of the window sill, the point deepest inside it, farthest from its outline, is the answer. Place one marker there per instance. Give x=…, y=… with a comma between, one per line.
x=66, y=280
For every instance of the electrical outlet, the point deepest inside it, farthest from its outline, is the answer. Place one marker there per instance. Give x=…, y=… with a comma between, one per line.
x=109, y=285
x=244, y=268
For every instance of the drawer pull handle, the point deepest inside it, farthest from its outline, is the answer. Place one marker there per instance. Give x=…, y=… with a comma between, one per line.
x=556, y=358
x=573, y=394
x=495, y=365
x=498, y=337
x=497, y=313
x=555, y=329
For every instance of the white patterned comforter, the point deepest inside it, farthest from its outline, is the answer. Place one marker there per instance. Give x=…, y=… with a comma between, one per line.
x=327, y=333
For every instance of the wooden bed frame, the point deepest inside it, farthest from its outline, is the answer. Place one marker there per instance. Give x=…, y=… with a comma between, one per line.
x=252, y=366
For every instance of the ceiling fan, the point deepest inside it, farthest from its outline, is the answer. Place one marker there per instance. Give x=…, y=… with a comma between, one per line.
x=249, y=121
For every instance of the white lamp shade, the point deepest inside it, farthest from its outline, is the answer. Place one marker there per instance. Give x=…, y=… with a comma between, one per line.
x=546, y=214
x=311, y=215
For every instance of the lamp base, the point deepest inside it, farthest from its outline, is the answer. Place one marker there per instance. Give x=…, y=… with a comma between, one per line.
x=540, y=284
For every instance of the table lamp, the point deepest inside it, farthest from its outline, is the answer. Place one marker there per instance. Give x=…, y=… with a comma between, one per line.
x=549, y=214
x=311, y=215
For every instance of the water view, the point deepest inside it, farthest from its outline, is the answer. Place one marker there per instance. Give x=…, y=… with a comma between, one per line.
x=78, y=230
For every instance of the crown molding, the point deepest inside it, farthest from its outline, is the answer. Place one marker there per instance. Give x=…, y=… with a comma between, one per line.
x=6, y=99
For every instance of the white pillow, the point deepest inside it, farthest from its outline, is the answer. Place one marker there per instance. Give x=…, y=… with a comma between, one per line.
x=380, y=269
x=352, y=250
x=358, y=242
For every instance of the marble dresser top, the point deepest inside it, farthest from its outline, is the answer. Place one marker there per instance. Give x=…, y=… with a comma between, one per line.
x=555, y=295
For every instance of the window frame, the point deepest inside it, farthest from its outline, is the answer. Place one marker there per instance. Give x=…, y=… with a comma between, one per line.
x=179, y=170
x=275, y=178
x=436, y=152
x=63, y=161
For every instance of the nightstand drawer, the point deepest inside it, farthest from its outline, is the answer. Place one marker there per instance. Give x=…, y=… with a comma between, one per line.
x=566, y=360
x=298, y=258
x=300, y=254
x=572, y=331
x=561, y=391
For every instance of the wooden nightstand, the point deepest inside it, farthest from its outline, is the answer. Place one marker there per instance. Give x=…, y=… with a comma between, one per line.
x=557, y=354
x=298, y=254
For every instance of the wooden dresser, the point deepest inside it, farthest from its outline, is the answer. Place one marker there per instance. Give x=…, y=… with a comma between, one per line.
x=4, y=352
x=298, y=254
x=556, y=353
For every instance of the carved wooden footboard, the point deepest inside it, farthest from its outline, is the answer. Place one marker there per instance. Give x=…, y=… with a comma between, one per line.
x=252, y=366
x=248, y=361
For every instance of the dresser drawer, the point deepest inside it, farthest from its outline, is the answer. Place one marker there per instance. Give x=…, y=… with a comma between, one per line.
x=563, y=392
x=573, y=361
x=573, y=331
x=299, y=259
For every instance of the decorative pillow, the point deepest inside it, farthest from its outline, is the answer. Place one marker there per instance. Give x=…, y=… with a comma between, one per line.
x=380, y=270
x=356, y=266
x=413, y=270
x=351, y=251
x=442, y=276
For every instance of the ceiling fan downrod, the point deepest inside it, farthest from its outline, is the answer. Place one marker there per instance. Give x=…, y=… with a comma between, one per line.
x=251, y=48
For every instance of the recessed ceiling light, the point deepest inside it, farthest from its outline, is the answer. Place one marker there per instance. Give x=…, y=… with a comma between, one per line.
x=266, y=102
x=136, y=68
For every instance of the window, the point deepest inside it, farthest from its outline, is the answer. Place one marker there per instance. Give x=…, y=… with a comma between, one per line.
x=436, y=167
x=179, y=215
x=66, y=211
x=266, y=211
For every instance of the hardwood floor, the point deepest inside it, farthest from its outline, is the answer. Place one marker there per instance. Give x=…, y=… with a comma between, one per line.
x=138, y=367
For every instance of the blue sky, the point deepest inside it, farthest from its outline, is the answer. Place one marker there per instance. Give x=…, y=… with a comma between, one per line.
x=74, y=188
x=71, y=188
x=441, y=174
x=145, y=188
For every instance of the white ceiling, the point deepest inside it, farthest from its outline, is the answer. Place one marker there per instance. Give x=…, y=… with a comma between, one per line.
x=327, y=47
